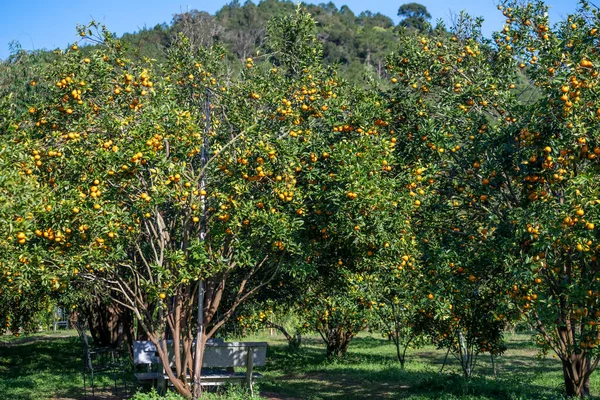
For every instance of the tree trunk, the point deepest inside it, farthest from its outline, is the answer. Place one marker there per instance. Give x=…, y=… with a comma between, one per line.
x=294, y=341
x=577, y=377
x=180, y=386
x=337, y=343
x=399, y=355
x=585, y=389
x=466, y=355
x=106, y=324
x=128, y=330
x=198, y=366
x=400, y=350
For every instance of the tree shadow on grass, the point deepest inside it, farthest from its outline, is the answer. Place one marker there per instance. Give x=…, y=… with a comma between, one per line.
x=356, y=383
x=280, y=357
x=34, y=370
x=58, y=355
x=38, y=367
x=308, y=374
x=525, y=363
x=314, y=356
x=370, y=342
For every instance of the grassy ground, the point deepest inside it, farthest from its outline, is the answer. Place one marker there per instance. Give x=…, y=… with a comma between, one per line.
x=46, y=367
x=371, y=371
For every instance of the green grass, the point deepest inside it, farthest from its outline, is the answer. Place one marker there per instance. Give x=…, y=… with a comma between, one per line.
x=34, y=369
x=43, y=366
x=11, y=339
x=31, y=368
x=370, y=370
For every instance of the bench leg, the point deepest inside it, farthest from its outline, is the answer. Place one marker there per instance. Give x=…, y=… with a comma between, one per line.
x=249, y=367
x=161, y=386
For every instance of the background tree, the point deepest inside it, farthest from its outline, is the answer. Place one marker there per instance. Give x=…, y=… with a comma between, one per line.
x=414, y=16
x=277, y=307
x=557, y=237
x=335, y=314
x=516, y=171
x=241, y=27
x=201, y=28
x=391, y=292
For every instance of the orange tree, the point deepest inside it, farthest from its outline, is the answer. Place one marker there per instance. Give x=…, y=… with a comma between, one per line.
x=342, y=186
x=354, y=218
x=25, y=288
x=178, y=187
x=349, y=206
x=387, y=282
x=140, y=209
x=335, y=313
x=30, y=289
x=558, y=169
x=519, y=176
x=465, y=307
x=449, y=101
x=389, y=293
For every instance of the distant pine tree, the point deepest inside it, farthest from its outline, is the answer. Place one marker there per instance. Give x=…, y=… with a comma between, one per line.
x=414, y=16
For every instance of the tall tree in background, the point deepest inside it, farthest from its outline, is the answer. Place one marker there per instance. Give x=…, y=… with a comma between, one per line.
x=199, y=27
x=414, y=16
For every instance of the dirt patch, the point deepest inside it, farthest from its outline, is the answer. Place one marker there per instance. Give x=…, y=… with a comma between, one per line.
x=99, y=394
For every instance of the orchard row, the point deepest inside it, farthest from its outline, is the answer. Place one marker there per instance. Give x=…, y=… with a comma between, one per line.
x=459, y=197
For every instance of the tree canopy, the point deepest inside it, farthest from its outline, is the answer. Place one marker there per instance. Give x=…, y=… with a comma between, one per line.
x=414, y=16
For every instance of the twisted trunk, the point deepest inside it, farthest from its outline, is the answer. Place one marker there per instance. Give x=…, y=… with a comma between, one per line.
x=338, y=340
x=576, y=372
x=294, y=341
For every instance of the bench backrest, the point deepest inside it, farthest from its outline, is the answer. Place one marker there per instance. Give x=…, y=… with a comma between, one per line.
x=234, y=354
x=144, y=352
x=217, y=354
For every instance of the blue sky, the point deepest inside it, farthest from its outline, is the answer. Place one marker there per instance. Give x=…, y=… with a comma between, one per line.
x=49, y=24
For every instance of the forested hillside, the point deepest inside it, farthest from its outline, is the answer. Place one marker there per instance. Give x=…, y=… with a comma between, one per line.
x=358, y=43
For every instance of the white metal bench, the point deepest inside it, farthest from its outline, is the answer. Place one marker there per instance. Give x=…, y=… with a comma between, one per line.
x=217, y=354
